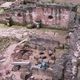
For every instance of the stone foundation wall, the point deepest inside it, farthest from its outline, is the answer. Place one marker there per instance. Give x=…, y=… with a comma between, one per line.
x=48, y=15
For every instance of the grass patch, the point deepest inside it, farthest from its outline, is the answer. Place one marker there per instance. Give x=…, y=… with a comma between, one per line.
x=53, y=30
x=4, y=43
x=56, y=27
x=13, y=26
x=3, y=26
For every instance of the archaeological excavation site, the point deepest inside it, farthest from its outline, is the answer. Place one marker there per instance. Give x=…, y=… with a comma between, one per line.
x=39, y=40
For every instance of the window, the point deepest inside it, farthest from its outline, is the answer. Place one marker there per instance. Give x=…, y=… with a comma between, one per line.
x=50, y=17
x=19, y=15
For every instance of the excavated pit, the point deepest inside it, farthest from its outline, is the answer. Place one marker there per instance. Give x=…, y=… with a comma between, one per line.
x=34, y=56
x=41, y=51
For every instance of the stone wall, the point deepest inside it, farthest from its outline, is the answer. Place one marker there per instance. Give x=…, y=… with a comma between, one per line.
x=49, y=15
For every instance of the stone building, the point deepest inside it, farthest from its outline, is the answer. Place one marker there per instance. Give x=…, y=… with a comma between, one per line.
x=49, y=13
